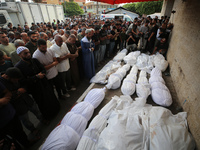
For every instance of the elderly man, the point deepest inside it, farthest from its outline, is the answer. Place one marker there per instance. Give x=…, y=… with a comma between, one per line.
x=14, y=57
x=47, y=58
x=88, y=57
x=61, y=32
x=73, y=62
x=62, y=54
x=81, y=35
x=11, y=36
x=17, y=36
x=73, y=32
x=24, y=37
x=5, y=46
x=37, y=84
x=45, y=37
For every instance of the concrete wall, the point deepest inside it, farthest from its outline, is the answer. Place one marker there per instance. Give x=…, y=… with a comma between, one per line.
x=167, y=7
x=184, y=59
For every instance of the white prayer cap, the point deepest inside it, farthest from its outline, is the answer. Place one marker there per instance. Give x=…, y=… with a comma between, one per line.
x=88, y=31
x=21, y=49
x=55, y=32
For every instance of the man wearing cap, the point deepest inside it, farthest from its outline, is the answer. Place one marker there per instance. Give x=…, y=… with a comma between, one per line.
x=36, y=83
x=32, y=44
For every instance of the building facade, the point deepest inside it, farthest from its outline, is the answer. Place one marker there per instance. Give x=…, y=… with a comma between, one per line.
x=91, y=7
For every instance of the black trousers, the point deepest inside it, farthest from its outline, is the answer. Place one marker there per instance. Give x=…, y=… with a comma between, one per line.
x=56, y=81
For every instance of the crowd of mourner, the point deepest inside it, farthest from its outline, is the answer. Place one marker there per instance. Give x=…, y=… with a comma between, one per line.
x=36, y=59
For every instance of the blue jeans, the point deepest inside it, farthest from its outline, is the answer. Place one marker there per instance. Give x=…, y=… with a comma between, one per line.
x=102, y=52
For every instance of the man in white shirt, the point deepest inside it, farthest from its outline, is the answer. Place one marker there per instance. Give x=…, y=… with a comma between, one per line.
x=62, y=54
x=48, y=59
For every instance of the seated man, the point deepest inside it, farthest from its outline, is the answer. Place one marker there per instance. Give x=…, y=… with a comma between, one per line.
x=161, y=47
x=131, y=46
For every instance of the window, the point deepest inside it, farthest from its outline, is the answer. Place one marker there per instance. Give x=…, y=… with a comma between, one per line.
x=2, y=19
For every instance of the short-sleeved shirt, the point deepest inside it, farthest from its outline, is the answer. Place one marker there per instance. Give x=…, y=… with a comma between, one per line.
x=7, y=112
x=46, y=59
x=8, y=49
x=60, y=52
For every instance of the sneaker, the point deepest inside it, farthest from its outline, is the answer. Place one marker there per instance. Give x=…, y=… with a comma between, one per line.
x=67, y=95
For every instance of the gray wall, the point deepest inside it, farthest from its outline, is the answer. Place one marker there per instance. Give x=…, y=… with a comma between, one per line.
x=184, y=59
